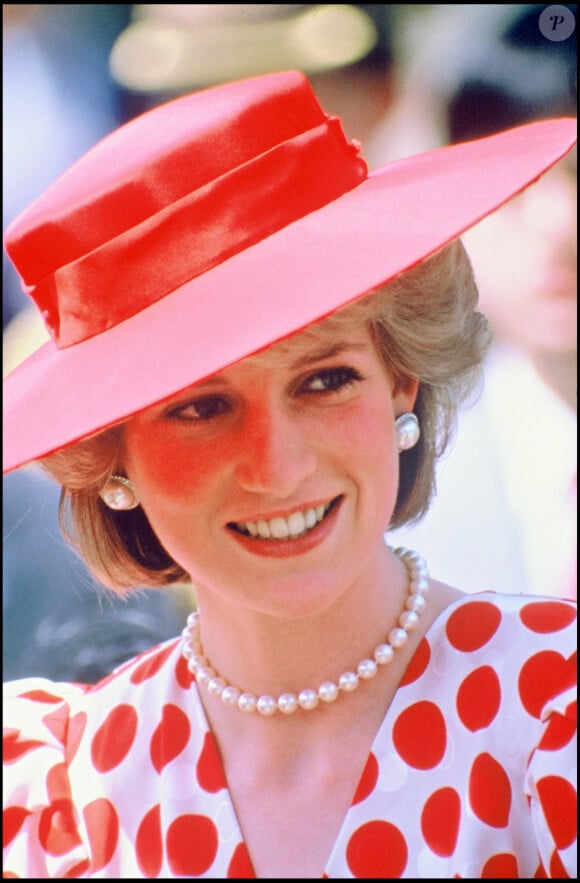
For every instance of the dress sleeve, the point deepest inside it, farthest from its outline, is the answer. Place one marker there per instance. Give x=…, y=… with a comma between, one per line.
x=40, y=824
x=551, y=786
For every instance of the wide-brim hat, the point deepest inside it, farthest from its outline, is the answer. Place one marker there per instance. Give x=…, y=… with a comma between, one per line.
x=215, y=225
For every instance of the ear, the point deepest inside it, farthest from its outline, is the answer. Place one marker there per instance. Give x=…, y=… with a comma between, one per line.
x=404, y=394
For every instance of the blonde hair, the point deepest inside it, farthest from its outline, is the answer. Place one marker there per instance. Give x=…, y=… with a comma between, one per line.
x=425, y=325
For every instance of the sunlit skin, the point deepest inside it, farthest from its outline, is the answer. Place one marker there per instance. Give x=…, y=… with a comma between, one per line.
x=306, y=425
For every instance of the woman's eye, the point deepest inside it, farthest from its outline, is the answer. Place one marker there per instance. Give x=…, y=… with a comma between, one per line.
x=331, y=380
x=203, y=408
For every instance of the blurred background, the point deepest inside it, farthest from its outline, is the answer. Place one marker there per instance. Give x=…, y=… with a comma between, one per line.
x=403, y=78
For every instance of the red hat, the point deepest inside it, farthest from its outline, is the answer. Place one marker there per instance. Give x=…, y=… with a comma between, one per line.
x=214, y=225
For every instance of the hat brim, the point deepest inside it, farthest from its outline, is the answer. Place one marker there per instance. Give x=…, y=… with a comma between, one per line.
x=397, y=217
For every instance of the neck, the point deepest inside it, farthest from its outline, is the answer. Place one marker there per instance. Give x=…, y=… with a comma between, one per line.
x=299, y=662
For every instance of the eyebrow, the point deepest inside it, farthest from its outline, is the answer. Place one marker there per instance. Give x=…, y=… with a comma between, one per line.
x=335, y=350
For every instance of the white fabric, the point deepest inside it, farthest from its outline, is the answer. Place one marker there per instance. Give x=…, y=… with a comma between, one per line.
x=471, y=774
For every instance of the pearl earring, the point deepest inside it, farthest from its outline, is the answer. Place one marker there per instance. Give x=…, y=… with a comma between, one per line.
x=119, y=493
x=407, y=431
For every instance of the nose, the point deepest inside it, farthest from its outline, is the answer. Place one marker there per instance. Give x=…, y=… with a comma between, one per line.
x=275, y=453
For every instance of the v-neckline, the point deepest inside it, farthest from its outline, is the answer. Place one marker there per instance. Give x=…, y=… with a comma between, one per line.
x=360, y=789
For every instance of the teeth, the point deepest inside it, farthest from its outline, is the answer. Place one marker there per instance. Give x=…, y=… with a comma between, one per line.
x=296, y=524
x=263, y=529
x=280, y=528
x=310, y=518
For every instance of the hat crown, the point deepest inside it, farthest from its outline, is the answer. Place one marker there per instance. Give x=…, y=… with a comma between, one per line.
x=175, y=148
x=152, y=187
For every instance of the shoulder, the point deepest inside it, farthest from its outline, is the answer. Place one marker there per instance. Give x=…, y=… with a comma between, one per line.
x=529, y=642
x=38, y=711
x=487, y=706
x=61, y=739
x=476, y=617
x=475, y=621
x=39, y=693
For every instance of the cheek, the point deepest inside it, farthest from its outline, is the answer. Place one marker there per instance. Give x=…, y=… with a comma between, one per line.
x=369, y=441
x=170, y=467
x=366, y=438
x=371, y=422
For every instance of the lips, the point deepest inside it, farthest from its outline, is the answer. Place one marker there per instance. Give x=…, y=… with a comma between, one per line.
x=297, y=524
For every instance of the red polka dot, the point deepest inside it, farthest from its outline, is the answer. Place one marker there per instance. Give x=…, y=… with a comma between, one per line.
x=112, y=741
x=559, y=801
x=490, y=794
x=103, y=831
x=240, y=867
x=13, y=818
x=557, y=869
x=14, y=747
x=478, y=698
x=472, y=625
x=183, y=675
x=377, y=849
x=56, y=722
x=151, y=665
x=503, y=865
x=547, y=616
x=440, y=821
x=540, y=872
x=368, y=780
x=170, y=737
x=76, y=729
x=420, y=735
x=542, y=677
x=560, y=731
x=191, y=842
x=418, y=663
x=57, y=832
x=57, y=783
x=149, y=843
x=41, y=696
x=210, y=774
x=77, y=870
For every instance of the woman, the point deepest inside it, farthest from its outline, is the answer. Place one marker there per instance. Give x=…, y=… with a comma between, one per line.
x=258, y=352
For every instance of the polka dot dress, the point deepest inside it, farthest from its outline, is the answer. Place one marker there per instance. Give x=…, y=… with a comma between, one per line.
x=471, y=774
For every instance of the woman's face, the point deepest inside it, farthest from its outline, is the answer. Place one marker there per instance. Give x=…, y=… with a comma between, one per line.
x=272, y=483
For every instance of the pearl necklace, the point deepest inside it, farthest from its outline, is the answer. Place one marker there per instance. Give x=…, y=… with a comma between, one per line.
x=348, y=681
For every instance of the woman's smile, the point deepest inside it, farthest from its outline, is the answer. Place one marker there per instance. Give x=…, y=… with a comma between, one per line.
x=283, y=536
x=281, y=527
